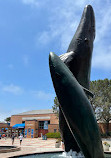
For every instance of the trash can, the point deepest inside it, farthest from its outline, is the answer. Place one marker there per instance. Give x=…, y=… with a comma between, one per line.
x=45, y=137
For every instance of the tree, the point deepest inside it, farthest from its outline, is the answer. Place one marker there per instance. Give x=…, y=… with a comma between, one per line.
x=56, y=107
x=8, y=119
x=101, y=101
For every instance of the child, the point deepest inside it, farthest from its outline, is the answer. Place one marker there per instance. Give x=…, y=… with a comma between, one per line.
x=13, y=137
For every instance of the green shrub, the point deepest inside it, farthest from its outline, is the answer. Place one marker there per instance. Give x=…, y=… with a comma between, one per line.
x=53, y=135
x=103, y=135
x=110, y=133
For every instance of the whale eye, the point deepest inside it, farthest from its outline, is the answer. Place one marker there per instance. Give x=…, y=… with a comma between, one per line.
x=86, y=40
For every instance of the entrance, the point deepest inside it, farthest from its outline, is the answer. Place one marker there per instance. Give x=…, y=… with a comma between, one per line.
x=43, y=128
x=43, y=131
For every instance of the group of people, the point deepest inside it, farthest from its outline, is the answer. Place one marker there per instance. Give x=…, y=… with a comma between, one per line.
x=20, y=138
x=3, y=136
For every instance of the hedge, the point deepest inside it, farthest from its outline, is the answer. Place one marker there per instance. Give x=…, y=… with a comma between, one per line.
x=105, y=135
x=53, y=135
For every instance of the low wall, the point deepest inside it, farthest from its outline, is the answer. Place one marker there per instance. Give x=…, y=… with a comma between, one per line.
x=6, y=149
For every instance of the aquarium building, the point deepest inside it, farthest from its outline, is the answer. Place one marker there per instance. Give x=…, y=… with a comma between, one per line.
x=35, y=123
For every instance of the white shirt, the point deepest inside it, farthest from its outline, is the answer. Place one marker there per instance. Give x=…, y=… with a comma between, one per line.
x=20, y=137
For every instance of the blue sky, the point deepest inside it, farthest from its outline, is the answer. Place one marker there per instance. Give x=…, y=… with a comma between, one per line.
x=29, y=30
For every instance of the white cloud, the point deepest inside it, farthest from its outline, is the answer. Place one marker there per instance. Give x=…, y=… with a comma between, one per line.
x=102, y=62
x=25, y=60
x=62, y=23
x=3, y=116
x=44, y=38
x=42, y=95
x=102, y=47
x=102, y=57
x=64, y=20
x=12, y=89
x=4, y=113
x=11, y=66
x=103, y=23
x=30, y=2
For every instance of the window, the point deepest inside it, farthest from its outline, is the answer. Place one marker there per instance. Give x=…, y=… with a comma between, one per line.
x=41, y=124
x=55, y=130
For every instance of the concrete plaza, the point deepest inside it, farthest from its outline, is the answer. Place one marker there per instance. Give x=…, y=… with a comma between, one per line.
x=28, y=146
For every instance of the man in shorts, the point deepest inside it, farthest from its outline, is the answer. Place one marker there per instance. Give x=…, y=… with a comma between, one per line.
x=21, y=137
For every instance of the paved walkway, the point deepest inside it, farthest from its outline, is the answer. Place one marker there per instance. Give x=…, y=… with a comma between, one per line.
x=29, y=145
x=34, y=145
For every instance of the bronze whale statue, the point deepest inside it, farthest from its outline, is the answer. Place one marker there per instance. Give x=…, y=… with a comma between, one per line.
x=78, y=60
x=76, y=109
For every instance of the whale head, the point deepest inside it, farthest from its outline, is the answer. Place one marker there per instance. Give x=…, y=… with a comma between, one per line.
x=85, y=33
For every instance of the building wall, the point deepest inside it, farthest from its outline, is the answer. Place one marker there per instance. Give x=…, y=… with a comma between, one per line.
x=53, y=128
x=17, y=119
x=32, y=125
x=54, y=119
x=4, y=125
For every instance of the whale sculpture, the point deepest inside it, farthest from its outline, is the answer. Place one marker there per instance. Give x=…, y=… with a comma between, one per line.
x=76, y=109
x=78, y=126
x=78, y=60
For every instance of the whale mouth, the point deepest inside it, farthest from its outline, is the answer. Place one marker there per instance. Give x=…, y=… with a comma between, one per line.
x=87, y=23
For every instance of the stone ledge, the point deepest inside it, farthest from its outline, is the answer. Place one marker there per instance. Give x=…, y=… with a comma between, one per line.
x=42, y=152
x=6, y=149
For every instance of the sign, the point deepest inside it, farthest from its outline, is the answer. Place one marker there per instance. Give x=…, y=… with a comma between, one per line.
x=25, y=133
x=32, y=132
x=45, y=124
x=29, y=124
x=29, y=131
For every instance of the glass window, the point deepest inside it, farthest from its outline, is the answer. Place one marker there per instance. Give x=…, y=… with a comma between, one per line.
x=29, y=130
x=55, y=130
x=41, y=124
x=45, y=124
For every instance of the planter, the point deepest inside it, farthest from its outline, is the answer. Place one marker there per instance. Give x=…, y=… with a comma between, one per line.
x=57, y=145
x=110, y=149
x=105, y=147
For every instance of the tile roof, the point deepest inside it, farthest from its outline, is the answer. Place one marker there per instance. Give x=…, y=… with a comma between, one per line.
x=46, y=111
x=36, y=118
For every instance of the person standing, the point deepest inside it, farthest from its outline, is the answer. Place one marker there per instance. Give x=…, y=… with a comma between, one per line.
x=21, y=137
x=13, y=137
x=62, y=145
